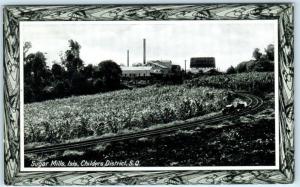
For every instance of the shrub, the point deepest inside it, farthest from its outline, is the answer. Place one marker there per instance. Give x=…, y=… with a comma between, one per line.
x=253, y=82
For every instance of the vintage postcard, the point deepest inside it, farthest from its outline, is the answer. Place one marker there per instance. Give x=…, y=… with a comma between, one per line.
x=155, y=97
x=178, y=95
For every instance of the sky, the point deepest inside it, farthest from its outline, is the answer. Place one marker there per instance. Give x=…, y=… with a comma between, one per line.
x=230, y=42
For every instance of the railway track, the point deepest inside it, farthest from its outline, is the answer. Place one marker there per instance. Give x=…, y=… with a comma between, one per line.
x=254, y=104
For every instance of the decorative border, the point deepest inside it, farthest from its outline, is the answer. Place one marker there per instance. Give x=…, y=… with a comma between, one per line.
x=14, y=14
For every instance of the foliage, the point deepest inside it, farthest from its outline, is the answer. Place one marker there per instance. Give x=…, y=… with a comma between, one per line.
x=26, y=47
x=261, y=63
x=36, y=76
x=256, y=54
x=83, y=116
x=253, y=81
x=58, y=71
x=110, y=72
x=72, y=60
x=69, y=77
x=230, y=70
x=270, y=52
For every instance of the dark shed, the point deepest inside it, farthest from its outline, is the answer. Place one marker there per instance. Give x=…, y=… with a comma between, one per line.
x=203, y=62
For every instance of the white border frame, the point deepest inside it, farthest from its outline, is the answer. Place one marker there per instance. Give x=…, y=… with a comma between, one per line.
x=213, y=168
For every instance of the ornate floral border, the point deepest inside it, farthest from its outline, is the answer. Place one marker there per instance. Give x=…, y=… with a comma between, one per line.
x=14, y=14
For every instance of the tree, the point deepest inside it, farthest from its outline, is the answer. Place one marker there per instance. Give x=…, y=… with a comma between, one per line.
x=28, y=93
x=35, y=66
x=98, y=85
x=256, y=54
x=241, y=67
x=71, y=60
x=58, y=71
x=72, y=63
x=26, y=47
x=75, y=48
x=111, y=74
x=88, y=71
x=39, y=64
x=36, y=75
x=62, y=88
x=270, y=52
x=95, y=72
x=230, y=70
x=78, y=85
x=254, y=65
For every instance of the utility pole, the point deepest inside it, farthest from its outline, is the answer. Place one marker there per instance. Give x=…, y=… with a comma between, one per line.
x=144, y=51
x=185, y=66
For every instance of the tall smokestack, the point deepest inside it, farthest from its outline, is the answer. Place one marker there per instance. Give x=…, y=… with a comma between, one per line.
x=144, y=51
x=127, y=58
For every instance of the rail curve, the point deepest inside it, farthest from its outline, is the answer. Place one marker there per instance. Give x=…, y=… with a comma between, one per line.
x=255, y=104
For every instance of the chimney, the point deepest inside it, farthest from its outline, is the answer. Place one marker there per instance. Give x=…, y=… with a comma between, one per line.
x=127, y=58
x=144, y=51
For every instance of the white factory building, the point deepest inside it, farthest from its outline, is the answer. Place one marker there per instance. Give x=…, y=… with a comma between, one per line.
x=151, y=67
x=148, y=68
x=136, y=71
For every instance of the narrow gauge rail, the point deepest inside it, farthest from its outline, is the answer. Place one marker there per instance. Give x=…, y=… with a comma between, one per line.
x=255, y=104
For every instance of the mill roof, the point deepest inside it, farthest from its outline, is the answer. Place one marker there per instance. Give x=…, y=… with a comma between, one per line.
x=161, y=63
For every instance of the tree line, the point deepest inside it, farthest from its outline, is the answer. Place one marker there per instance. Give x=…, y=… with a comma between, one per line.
x=261, y=62
x=68, y=77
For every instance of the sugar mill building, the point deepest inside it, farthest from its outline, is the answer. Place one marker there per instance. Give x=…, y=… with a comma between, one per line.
x=160, y=66
x=136, y=71
x=153, y=67
x=149, y=68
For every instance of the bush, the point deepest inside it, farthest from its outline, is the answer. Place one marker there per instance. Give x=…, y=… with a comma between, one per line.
x=62, y=89
x=253, y=82
x=28, y=93
x=98, y=85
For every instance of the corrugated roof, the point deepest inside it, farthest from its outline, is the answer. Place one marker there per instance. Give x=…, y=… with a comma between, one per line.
x=161, y=63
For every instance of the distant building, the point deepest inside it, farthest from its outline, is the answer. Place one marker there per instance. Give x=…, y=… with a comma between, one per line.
x=203, y=64
x=138, y=71
x=160, y=66
x=160, y=63
x=153, y=67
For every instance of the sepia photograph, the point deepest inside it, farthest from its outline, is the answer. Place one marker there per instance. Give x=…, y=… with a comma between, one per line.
x=149, y=95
